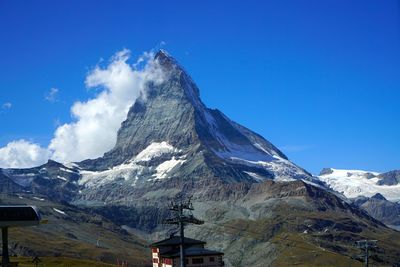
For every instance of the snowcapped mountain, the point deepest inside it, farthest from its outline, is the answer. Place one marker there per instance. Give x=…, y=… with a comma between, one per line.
x=170, y=133
x=355, y=183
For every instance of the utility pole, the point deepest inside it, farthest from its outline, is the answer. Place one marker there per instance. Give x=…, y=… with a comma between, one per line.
x=6, y=258
x=366, y=245
x=181, y=219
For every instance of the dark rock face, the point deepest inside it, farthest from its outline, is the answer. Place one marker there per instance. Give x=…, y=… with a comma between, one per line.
x=325, y=171
x=389, y=178
x=378, y=196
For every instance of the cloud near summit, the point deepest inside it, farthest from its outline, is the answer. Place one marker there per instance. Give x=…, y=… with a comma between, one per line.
x=95, y=122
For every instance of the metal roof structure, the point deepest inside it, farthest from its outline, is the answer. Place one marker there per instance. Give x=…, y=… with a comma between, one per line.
x=19, y=216
x=176, y=241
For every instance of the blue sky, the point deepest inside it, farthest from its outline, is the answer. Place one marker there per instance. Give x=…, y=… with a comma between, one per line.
x=319, y=79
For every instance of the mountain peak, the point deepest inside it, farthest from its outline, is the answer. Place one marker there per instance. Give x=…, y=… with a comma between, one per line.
x=177, y=78
x=164, y=58
x=162, y=53
x=378, y=196
x=199, y=140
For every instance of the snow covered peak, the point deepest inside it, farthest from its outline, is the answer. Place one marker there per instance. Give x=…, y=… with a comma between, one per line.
x=172, y=114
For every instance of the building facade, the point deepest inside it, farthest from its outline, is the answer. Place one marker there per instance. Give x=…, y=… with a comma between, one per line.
x=166, y=253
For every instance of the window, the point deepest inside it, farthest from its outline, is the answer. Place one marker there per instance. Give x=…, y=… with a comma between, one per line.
x=155, y=260
x=197, y=260
x=155, y=250
x=212, y=259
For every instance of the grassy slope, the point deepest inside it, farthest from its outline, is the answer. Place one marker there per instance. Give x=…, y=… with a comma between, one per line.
x=59, y=262
x=298, y=237
x=328, y=246
x=296, y=251
x=77, y=234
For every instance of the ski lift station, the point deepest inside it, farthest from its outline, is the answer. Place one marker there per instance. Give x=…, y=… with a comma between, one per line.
x=15, y=216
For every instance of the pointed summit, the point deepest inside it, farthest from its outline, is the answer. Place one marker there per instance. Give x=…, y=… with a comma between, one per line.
x=378, y=196
x=162, y=54
x=165, y=59
x=177, y=79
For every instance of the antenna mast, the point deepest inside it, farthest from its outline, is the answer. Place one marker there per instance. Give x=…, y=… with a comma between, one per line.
x=181, y=219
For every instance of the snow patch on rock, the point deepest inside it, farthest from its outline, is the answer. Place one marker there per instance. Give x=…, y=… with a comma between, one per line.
x=155, y=150
x=164, y=168
x=256, y=176
x=67, y=170
x=59, y=211
x=62, y=178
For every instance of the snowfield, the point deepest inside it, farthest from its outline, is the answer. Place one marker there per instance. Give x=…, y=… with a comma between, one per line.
x=354, y=183
x=97, y=178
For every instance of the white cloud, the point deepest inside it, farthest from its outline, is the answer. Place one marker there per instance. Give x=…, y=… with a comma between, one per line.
x=6, y=105
x=96, y=121
x=51, y=96
x=22, y=154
